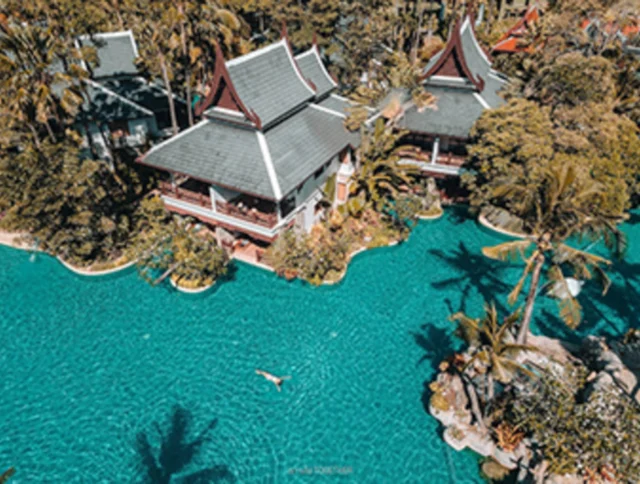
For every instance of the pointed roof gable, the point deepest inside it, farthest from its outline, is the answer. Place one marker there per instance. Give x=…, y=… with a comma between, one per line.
x=261, y=87
x=462, y=79
x=314, y=70
x=223, y=96
x=117, y=53
x=452, y=63
x=509, y=42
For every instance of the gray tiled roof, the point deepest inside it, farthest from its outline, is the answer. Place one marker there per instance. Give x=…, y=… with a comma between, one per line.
x=335, y=103
x=456, y=112
x=313, y=69
x=217, y=152
x=105, y=106
x=116, y=53
x=474, y=55
x=302, y=144
x=458, y=106
x=229, y=155
x=149, y=96
x=400, y=94
x=268, y=82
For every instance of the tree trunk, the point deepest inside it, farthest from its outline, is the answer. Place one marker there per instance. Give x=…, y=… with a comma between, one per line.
x=416, y=42
x=167, y=86
x=473, y=400
x=490, y=387
x=187, y=68
x=166, y=274
x=531, y=299
x=36, y=138
x=52, y=136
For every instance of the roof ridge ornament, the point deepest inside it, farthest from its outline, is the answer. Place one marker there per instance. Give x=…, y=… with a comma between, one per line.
x=220, y=75
x=454, y=48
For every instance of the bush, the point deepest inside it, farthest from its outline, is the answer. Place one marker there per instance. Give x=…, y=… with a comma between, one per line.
x=169, y=245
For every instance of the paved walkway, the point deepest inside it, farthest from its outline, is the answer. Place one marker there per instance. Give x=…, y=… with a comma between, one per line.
x=12, y=239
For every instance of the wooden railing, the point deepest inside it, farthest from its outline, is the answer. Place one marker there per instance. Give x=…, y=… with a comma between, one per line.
x=186, y=195
x=254, y=216
x=268, y=220
x=450, y=159
x=426, y=156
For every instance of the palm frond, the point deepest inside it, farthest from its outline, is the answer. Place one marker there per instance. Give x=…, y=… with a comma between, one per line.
x=509, y=251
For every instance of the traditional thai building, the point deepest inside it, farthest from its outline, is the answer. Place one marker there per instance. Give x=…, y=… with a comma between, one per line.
x=515, y=39
x=625, y=33
x=123, y=110
x=270, y=137
x=465, y=85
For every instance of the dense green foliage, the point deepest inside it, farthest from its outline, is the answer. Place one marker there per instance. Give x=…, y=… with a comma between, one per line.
x=166, y=245
x=584, y=434
x=562, y=157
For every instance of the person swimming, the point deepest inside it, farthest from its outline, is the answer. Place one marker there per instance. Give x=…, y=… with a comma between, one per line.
x=276, y=380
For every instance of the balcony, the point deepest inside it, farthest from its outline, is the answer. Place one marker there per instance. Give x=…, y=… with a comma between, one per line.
x=243, y=216
x=252, y=215
x=185, y=195
x=450, y=159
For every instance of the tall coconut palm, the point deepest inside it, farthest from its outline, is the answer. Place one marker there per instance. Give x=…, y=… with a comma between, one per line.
x=34, y=91
x=202, y=24
x=492, y=346
x=562, y=206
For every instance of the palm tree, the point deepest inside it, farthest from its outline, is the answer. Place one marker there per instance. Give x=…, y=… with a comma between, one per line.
x=202, y=25
x=493, y=346
x=35, y=92
x=561, y=207
x=381, y=175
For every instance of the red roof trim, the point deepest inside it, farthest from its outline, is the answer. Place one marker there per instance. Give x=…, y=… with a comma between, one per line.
x=508, y=42
x=220, y=74
x=454, y=47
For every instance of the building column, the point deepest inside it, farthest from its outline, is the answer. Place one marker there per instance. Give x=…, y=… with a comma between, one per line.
x=436, y=151
x=212, y=195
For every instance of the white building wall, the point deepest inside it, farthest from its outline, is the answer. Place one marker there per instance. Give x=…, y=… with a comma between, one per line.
x=311, y=193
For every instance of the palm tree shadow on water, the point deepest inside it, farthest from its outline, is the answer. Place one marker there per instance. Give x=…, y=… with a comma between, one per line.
x=472, y=271
x=601, y=314
x=177, y=452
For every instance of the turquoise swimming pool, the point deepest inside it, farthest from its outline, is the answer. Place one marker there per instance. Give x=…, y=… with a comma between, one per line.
x=99, y=375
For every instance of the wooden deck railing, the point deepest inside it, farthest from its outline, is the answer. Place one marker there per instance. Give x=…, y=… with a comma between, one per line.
x=254, y=216
x=268, y=220
x=450, y=159
x=186, y=195
x=426, y=156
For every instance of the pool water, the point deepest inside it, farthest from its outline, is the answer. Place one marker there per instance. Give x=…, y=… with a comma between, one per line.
x=100, y=376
